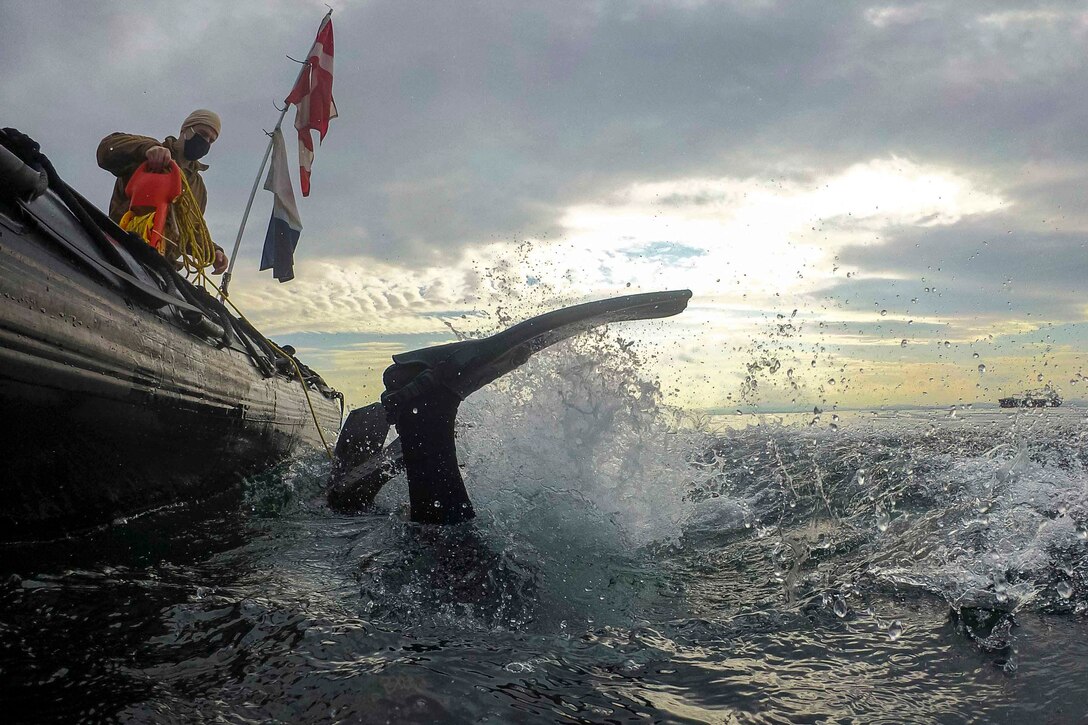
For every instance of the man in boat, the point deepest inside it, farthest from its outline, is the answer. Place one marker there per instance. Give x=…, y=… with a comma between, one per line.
x=122, y=153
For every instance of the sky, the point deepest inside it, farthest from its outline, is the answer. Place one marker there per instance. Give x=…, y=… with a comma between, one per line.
x=874, y=203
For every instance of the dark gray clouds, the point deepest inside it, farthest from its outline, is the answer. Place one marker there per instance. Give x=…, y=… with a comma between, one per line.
x=464, y=122
x=989, y=270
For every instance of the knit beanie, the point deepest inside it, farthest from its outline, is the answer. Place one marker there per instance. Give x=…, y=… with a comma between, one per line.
x=202, y=116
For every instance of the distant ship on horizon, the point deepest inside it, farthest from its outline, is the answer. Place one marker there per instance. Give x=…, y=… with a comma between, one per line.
x=1045, y=397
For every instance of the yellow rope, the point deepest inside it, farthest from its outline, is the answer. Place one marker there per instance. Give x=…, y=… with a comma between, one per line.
x=196, y=246
x=141, y=225
x=298, y=372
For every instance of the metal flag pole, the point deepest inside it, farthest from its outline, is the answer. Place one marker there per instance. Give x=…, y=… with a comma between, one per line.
x=257, y=182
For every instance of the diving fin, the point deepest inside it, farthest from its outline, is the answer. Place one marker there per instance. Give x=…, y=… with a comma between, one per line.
x=423, y=389
x=354, y=487
x=359, y=468
x=469, y=365
x=364, y=431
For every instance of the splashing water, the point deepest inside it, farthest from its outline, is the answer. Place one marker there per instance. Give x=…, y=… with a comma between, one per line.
x=580, y=433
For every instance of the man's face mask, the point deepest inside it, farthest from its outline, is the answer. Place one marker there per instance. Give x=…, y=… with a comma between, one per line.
x=196, y=147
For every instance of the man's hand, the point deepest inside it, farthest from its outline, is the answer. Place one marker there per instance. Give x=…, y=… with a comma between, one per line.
x=158, y=159
x=219, y=266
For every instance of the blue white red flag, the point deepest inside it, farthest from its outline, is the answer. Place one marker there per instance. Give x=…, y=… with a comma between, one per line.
x=284, y=227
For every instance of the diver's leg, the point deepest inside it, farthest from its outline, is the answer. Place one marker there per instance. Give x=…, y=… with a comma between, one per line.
x=361, y=464
x=354, y=489
x=435, y=486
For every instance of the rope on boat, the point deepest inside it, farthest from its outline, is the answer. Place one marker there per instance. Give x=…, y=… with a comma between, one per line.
x=196, y=245
x=140, y=225
x=277, y=348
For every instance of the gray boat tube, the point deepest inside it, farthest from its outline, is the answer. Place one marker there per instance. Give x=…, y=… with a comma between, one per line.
x=19, y=180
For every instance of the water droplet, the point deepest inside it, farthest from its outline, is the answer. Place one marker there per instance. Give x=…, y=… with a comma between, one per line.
x=975, y=356
x=1039, y=377
x=438, y=504
x=1065, y=590
x=895, y=630
x=840, y=608
x=981, y=369
x=947, y=343
x=1001, y=592
x=1082, y=533
x=903, y=344
x=415, y=411
x=883, y=313
x=882, y=520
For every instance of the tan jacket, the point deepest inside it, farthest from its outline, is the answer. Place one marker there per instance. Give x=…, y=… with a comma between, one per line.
x=121, y=153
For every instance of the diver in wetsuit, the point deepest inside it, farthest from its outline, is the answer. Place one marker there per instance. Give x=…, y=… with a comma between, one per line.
x=423, y=390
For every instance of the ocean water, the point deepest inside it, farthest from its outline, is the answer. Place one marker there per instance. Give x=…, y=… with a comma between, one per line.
x=626, y=565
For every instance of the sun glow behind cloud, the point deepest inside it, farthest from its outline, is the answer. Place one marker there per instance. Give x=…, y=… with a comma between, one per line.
x=777, y=236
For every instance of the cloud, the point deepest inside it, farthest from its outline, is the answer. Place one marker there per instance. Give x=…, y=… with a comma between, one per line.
x=988, y=268
x=475, y=122
x=493, y=155
x=462, y=123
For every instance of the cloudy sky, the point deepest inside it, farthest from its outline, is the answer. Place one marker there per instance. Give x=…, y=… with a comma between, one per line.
x=874, y=203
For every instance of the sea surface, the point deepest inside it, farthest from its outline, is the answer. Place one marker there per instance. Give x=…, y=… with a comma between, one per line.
x=629, y=563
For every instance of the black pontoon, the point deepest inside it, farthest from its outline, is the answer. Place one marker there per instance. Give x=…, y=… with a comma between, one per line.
x=123, y=387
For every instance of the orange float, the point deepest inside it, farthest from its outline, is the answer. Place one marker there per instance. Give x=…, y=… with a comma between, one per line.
x=155, y=191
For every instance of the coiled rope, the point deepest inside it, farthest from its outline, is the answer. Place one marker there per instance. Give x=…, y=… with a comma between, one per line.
x=196, y=246
x=141, y=226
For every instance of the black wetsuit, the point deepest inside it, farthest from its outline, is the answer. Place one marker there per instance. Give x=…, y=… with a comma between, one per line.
x=425, y=426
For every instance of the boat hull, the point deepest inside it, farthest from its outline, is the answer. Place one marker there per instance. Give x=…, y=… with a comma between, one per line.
x=111, y=408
